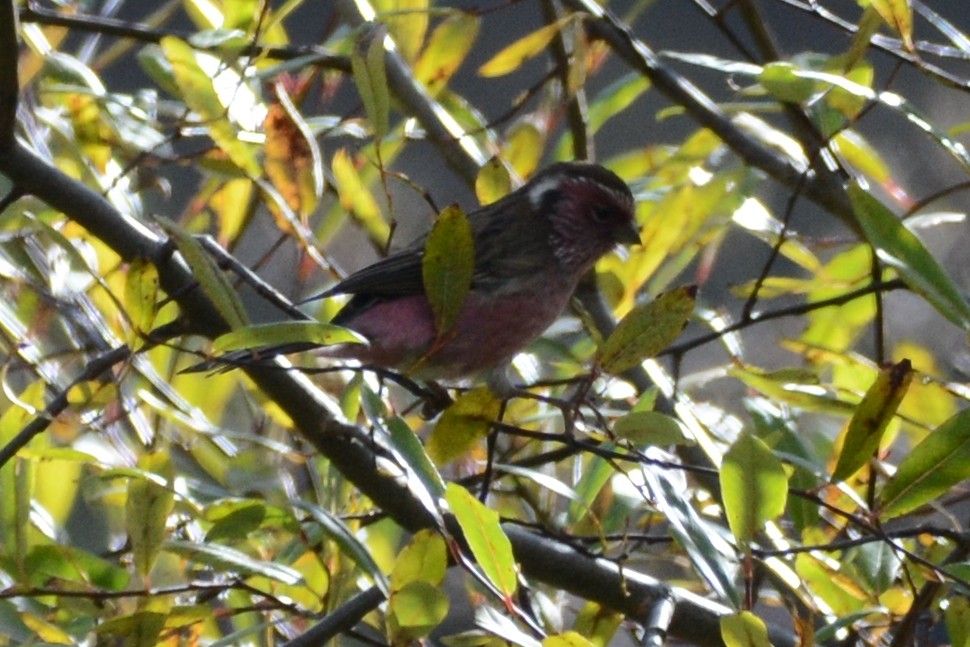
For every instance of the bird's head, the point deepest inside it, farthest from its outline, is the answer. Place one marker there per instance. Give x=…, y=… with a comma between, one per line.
x=589, y=208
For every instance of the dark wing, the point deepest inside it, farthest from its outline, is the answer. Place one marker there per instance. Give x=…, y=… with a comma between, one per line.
x=512, y=244
x=397, y=275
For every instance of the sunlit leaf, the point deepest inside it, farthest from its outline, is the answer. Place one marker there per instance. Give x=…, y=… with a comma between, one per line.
x=285, y=332
x=934, y=466
x=871, y=417
x=647, y=330
x=357, y=199
x=779, y=79
x=711, y=555
x=615, y=98
x=567, y=639
x=898, y=14
x=485, y=537
x=493, y=181
x=744, y=630
x=795, y=387
x=447, y=267
x=511, y=57
x=424, y=559
x=47, y=632
x=524, y=147
x=199, y=93
x=900, y=249
x=651, y=428
x=754, y=486
x=446, y=50
x=231, y=204
x=464, y=423
x=407, y=22
x=860, y=154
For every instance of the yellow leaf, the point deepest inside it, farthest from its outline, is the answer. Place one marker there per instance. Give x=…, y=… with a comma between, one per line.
x=463, y=424
x=511, y=57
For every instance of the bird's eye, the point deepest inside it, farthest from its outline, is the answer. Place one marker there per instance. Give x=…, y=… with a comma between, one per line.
x=602, y=214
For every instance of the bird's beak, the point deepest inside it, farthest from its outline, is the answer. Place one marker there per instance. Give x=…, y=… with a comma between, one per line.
x=628, y=234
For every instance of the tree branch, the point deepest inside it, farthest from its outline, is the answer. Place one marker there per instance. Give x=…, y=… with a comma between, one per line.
x=139, y=32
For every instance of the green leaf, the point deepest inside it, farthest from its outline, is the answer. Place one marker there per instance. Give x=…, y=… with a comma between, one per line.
x=285, y=332
x=493, y=181
x=900, y=249
x=934, y=466
x=744, y=630
x=213, y=282
x=647, y=330
x=871, y=418
x=595, y=475
x=779, y=78
x=237, y=524
x=957, y=618
x=150, y=502
x=511, y=57
x=447, y=267
x=413, y=453
x=754, y=486
x=71, y=564
x=367, y=64
x=488, y=542
x=415, y=610
x=424, y=559
x=199, y=93
x=615, y=98
x=226, y=558
x=462, y=424
x=651, y=428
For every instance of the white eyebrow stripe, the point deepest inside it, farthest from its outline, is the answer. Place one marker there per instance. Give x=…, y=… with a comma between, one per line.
x=540, y=189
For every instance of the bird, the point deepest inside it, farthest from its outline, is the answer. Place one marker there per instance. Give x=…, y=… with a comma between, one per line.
x=531, y=248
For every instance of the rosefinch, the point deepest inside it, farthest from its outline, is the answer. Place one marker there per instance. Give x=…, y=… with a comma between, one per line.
x=530, y=250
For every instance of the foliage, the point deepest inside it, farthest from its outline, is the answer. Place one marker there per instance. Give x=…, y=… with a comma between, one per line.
x=762, y=411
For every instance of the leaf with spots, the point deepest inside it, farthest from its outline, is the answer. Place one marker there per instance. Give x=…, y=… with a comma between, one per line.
x=447, y=266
